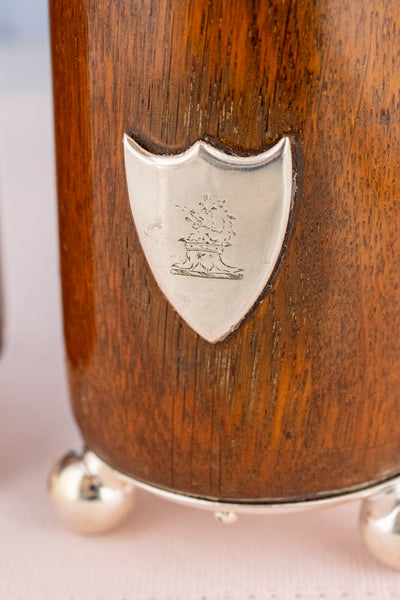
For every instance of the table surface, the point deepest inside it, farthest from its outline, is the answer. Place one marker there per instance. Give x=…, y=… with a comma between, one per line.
x=164, y=551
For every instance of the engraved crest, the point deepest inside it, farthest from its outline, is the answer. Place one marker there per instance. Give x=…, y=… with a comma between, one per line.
x=211, y=226
x=212, y=231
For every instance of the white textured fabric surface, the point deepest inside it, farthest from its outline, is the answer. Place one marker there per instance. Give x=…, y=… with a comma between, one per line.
x=164, y=552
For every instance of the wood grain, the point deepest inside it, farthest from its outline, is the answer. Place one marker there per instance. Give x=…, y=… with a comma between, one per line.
x=304, y=398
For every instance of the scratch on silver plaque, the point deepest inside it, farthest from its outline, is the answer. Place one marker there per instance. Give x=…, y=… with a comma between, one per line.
x=211, y=226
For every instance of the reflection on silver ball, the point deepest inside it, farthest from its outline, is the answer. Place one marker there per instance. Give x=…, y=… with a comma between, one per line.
x=88, y=495
x=380, y=526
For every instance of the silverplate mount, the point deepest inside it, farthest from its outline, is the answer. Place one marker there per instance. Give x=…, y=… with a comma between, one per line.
x=92, y=497
x=212, y=227
x=212, y=254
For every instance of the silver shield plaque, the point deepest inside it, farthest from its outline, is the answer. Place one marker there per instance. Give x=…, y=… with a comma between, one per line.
x=211, y=226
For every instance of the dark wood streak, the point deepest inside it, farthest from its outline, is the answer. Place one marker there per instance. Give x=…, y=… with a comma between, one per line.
x=72, y=132
x=303, y=399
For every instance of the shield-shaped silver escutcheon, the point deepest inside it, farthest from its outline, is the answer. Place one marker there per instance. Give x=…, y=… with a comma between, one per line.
x=212, y=226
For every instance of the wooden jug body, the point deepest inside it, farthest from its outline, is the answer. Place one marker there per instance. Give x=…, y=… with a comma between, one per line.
x=302, y=399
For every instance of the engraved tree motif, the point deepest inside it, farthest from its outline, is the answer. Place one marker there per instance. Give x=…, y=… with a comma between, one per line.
x=212, y=231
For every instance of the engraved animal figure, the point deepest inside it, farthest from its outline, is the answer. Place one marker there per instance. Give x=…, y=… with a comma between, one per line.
x=212, y=231
x=212, y=219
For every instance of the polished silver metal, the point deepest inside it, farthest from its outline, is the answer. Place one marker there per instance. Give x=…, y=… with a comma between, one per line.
x=212, y=227
x=92, y=497
x=247, y=507
x=380, y=524
x=264, y=507
x=88, y=495
x=227, y=518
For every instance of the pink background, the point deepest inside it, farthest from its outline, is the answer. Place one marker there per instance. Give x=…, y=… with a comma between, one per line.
x=164, y=551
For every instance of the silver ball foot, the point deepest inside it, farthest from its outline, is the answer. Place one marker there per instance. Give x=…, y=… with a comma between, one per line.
x=380, y=525
x=226, y=517
x=88, y=495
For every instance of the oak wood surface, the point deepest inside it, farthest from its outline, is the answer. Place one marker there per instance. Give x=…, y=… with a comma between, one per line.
x=304, y=398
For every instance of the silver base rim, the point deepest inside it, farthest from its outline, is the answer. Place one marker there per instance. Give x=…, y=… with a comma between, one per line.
x=256, y=508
